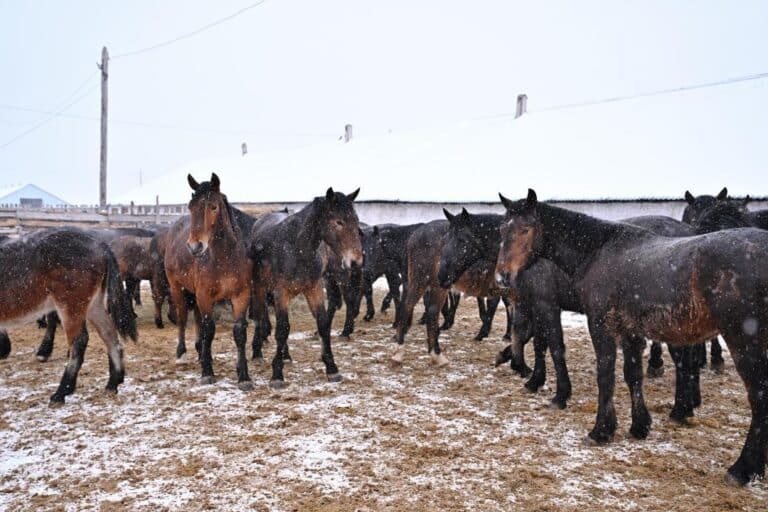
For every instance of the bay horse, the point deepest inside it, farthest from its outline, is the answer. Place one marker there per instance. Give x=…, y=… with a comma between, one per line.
x=634, y=284
x=76, y=274
x=206, y=257
x=284, y=249
x=424, y=252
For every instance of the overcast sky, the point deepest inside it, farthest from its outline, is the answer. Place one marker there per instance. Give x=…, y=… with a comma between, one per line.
x=292, y=72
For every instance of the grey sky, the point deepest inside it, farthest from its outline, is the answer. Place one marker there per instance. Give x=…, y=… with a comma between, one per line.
x=293, y=72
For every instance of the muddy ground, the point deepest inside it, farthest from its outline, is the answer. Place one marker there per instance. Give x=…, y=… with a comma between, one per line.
x=416, y=437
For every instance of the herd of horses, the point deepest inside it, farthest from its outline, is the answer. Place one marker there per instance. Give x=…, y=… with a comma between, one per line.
x=644, y=278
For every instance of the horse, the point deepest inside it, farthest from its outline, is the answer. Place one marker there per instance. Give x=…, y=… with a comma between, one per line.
x=284, y=249
x=377, y=264
x=161, y=291
x=635, y=284
x=206, y=257
x=76, y=274
x=341, y=284
x=424, y=251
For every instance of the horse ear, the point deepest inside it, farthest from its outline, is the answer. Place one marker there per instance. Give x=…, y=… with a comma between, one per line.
x=689, y=197
x=449, y=215
x=376, y=231
x=215, y=182
x=531, y=200
x=747, y=200
x=192, y=182
x=506, y=202
x=353, y=195
x=464, y=214
x=723, y=194
x=330, y=195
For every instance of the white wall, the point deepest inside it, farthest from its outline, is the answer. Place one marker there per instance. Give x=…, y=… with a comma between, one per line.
x=410, y=213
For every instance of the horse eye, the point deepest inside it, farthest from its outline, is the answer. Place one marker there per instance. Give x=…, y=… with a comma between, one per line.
x=214, y=207
x=524, y=231
x=340, y=223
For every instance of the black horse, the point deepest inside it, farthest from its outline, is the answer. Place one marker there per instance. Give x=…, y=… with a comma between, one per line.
x=284, y=249
x=635, y=284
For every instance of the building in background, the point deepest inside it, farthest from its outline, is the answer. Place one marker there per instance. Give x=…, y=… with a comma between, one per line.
x=28, y=196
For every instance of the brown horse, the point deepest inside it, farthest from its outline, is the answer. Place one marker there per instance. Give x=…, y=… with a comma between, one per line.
x=206, y=257
x=135, y=261
x=287, y=263
x=74, y=273
x=159, y=281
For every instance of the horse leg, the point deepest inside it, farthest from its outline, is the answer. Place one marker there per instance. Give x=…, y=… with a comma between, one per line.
x=5, y=344
x=177, y=296
x=655, y=362
x=157, y=299
x=393, y=295
x=605, y=354
x=553, y=333
x=77, y=335
x=685, y=363
x=206, y=328
x=333, y=291
x=136, y=295
x=370, y=309
x=700, y=354
x=45, y=349
x=282, y=328
x=509, y=310
x=411, y=295
x=352, y=293
x=449, y=310
x=240, y=304
x=101, y=320
x=433, y=299
x=716, y=356
x=749, y=355
x=314, y=298
x=633, y=376
x=539, y=375
x=261, y=320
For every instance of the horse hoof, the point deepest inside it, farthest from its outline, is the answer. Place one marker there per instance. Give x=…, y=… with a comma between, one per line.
x=245, y=385
x=55, y=402
x=287, y=360
x=438, y=359
x=345, y=337
x=207, y=380
x=736, y=480
x=334, y=377
x=159, y=323
x=41, y=358
x=593, y=439
x=532, y=387
x=259, y=361
x=110, y=391
x=500, y=360
x=398, y=355
x=680, y=418
x=558, y=404
x=654, y=372
x=640, y=431
x=718, y=367
x=278, y=384
x=182, y=359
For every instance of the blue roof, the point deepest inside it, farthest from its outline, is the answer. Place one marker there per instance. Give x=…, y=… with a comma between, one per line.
x=29, y=191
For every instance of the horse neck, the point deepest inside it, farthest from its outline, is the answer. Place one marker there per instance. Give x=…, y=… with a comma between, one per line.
x=306, y=223
x=227, y=233
x=572, y=238
x=490, y=238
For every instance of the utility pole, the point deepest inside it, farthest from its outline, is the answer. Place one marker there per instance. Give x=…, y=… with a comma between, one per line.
x=104, y=67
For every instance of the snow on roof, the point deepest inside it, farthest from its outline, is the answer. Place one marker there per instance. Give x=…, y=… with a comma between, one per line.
x=648, y=147
x=14, y=194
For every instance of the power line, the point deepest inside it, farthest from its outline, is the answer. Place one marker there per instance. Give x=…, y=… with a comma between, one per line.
x=54, y=113
x=613, y=99
x=189, y=34
x=163, y=126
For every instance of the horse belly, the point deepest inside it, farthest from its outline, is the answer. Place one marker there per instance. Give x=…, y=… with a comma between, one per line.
x=15, y=311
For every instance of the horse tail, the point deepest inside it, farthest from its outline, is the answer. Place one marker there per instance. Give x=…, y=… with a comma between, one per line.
x=118, y=302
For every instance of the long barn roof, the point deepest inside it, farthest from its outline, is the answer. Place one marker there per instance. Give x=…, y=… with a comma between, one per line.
x=651, y=147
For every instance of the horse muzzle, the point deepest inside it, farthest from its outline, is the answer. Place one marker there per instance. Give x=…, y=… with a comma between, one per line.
x=350, y=260
x=506, y=280
x=197, y=249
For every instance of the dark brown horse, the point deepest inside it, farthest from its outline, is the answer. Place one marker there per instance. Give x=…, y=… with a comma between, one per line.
x=635, y=285
x=74, y=273
x=286, y=264
x=206, y=257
